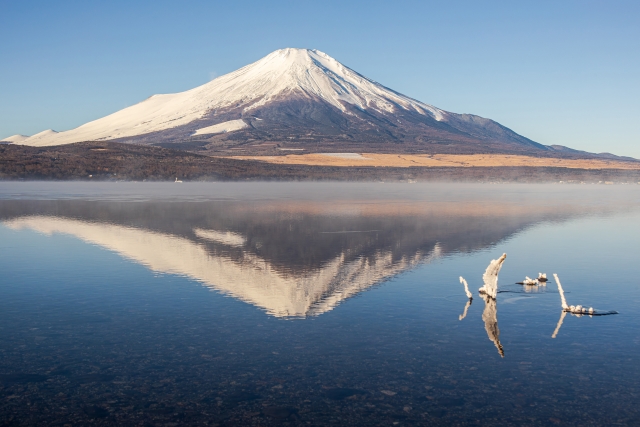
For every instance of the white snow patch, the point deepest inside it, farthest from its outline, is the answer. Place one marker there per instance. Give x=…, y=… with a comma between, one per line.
x=15, y=138
x=228, y=238
x=36, y=139
x=224, y=127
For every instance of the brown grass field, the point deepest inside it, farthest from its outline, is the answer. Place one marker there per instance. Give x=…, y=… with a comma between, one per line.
x=99, y=161
x=438, y=160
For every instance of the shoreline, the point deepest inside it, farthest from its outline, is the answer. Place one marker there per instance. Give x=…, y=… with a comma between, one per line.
x=110, y=161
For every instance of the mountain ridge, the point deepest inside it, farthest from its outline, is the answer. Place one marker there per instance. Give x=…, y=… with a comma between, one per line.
x=302, y=99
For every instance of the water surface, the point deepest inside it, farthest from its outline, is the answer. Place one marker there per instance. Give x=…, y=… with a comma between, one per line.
x=316, y=304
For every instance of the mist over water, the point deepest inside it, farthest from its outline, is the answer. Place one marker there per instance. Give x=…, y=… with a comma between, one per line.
x=316, y=304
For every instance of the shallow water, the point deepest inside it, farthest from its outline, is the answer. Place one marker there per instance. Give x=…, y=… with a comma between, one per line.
x=316, y=304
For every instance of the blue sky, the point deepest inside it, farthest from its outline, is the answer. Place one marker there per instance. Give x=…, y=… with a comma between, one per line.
x=558, y=72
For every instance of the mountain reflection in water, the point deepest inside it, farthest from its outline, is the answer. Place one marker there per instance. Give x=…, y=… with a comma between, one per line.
x=291, y=258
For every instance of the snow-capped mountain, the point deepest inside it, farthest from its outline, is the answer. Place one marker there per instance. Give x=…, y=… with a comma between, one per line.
x=292, y=96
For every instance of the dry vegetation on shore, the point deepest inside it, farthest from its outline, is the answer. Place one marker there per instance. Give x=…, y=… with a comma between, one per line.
x=439, y=160
x=117, y=161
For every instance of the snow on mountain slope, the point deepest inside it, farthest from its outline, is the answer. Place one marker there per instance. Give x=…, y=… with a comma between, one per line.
x=308, y=72
x=39, y=138
x=14, y=138
x=229, y=126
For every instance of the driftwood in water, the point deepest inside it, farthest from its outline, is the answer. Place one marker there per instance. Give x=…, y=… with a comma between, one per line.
x=490, y=277
x=575, y=310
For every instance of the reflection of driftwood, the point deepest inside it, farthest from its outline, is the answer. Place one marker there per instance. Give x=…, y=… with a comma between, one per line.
x=490, y=317
x=490, y=277
x=559, y=325
x=533, y=289
x=466, y=308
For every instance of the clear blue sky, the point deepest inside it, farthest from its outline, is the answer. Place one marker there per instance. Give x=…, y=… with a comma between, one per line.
x=558, y=72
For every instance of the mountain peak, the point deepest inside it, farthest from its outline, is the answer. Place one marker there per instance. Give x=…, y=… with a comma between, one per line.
x=303, y=57
x=293, y=52
x=294, y=95
x=314, y=74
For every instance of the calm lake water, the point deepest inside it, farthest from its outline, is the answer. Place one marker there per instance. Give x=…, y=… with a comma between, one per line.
x=316, y=304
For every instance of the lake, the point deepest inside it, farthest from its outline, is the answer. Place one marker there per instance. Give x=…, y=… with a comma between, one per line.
x=317, y=304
